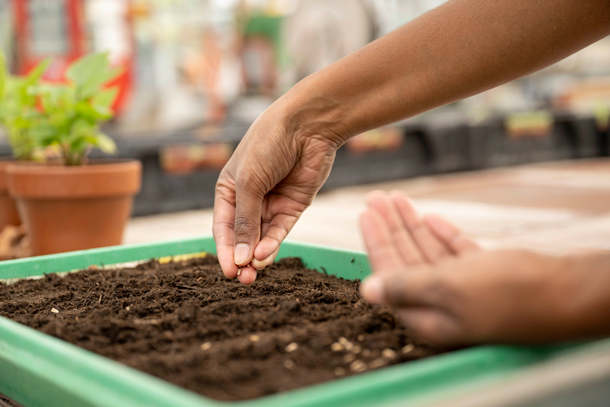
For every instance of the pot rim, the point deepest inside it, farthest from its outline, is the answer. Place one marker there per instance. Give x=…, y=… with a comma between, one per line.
x=96, y=165
x=104, y=178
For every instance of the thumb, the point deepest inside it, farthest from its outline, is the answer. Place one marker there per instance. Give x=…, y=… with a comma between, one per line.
x=248, y=204
x=418, y=287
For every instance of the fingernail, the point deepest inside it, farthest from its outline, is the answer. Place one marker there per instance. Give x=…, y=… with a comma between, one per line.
x=242, y=254
x=373, y=290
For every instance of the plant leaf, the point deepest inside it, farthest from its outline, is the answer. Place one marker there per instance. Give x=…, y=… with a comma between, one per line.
x=105, y=143
x=89, y=73
x=36, y=73
x=106, y=97
x=3, y=74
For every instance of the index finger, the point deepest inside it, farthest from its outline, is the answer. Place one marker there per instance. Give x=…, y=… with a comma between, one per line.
x=224, y=235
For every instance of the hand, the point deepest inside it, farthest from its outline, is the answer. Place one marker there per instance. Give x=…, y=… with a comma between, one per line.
x=272, y=177
x=451, y=292
x=397, y=238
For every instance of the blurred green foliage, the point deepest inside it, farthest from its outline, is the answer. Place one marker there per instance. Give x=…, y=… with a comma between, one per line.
x=64, y=116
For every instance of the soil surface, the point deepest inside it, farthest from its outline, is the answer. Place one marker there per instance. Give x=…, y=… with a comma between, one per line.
x=186, y=323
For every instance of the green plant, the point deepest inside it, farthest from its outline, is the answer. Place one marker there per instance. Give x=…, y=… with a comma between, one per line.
x=72, y=112
x=19, y=110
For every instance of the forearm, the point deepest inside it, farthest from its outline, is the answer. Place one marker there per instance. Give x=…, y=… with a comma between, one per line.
x=454, y=51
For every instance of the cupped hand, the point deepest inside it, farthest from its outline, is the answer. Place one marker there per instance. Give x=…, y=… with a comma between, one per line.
x=272, y=177
x=397, y=238
x=497, y=296
x=453, y=293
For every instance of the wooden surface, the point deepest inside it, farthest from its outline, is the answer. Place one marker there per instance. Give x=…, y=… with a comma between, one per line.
x=553, y=207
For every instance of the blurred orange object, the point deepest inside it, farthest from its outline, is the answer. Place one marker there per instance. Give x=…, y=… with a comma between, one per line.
x=57, y=29
x=385, y=138
x=183, y=159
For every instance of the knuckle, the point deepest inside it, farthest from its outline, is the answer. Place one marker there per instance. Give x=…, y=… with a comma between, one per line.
x=441, y=292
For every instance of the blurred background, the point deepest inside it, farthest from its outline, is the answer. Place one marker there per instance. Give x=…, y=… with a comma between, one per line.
x=198, y=72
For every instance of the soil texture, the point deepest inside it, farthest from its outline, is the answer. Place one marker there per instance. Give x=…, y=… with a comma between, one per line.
x=186, y=323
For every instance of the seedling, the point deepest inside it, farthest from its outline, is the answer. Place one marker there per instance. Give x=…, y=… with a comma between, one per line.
x=72, y=112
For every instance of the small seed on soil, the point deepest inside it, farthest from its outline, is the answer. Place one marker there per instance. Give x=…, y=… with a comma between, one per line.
x=349, y=357
x=127, y=308
x=366, y=353
x=357, y=366
x=291, y=347
x=407, y=348
x=336, y=347
x=360, y=338
x=339, y=371
x=288, y=364
x=388, y=353
x=356, y=349
x=377, y=363
x=206, y=346
x=53, y=310
x=346, y=344
x=255, y=338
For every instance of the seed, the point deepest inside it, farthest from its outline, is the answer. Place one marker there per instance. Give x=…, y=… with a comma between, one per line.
x=291, y=347
x=349, y=357
x=238, y=272
x=336, y=347
x=407, y=348
x=360, y=338
x=127, y=308
x=339, y=371
x=206, y=346
x=53, y=310
x=356, y=350
x=255, y=338
x=288, y=364
x=366, y=353
x=388, y=353
x=377, y=363
x=357, y=366
x=346, y=344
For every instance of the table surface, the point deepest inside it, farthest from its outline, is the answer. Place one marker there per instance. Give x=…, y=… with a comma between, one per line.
x=551, y=207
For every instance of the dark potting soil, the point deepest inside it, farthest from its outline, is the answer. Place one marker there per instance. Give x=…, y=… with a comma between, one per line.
x=186, y=323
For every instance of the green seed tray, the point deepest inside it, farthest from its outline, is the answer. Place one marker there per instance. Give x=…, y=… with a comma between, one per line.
x=39, y=370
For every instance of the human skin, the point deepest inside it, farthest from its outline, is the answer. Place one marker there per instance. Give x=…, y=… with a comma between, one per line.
x=459, y=294
x=456, y=50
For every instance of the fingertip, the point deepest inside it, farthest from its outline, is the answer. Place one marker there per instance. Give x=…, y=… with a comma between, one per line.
x=374, y=196
x=373, y=290
x=247, y=275
x=265, y=249
x=225, y=258
x=261, y=264
x=395, y=193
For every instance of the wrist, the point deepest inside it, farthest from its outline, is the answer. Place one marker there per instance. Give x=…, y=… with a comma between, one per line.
x=308, y=113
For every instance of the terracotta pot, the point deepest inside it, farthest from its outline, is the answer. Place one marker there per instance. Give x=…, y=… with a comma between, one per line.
x=8, y=209
x=74, y=208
